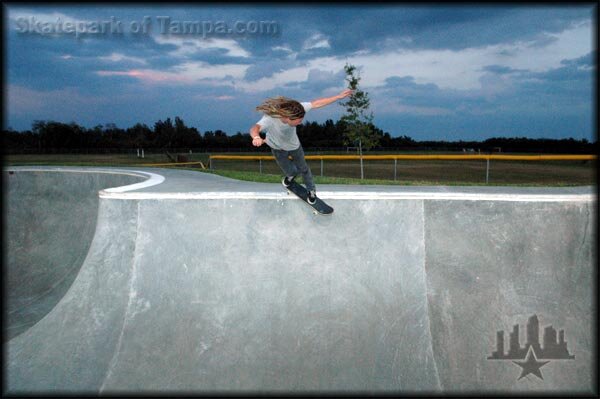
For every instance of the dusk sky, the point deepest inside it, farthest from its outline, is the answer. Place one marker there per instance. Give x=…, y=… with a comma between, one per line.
x=455, y=72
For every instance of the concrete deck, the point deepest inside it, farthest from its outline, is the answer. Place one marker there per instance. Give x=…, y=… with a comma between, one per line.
x=194, y=283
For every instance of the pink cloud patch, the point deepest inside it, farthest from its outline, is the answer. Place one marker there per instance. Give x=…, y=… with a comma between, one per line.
x=149, y=75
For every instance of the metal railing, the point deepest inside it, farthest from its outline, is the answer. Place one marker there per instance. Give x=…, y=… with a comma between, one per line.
x=396, y=158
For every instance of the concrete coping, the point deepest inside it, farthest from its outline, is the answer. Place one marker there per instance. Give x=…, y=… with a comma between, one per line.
x=351, y=195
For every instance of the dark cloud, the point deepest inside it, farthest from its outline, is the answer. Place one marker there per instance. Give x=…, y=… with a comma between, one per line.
x=265, y=68
x=500, y=69
x=355, y=28
x=319, y=81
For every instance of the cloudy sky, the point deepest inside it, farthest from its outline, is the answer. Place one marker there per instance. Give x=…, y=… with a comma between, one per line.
x=458, y=72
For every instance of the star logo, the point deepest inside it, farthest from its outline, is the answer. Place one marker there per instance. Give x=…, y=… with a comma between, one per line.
x=531, y=365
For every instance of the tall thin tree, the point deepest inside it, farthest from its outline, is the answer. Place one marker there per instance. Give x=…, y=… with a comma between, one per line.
x=358, y=119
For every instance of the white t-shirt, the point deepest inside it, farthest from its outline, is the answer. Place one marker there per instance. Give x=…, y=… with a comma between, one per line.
x=281, y=136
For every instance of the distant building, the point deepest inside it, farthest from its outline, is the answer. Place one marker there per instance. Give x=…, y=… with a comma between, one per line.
x=552, y=349
x=499, y=353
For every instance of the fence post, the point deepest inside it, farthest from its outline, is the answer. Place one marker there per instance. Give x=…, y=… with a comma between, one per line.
x=321, y=167
x=260, y=166
x=362, y=171
x=487, y=171
x=395, y=168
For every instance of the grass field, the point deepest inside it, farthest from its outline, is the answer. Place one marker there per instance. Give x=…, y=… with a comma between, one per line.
x=406, y=172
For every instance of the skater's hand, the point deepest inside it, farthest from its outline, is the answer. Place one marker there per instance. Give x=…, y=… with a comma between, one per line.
x=345, y=93
x=257, y=141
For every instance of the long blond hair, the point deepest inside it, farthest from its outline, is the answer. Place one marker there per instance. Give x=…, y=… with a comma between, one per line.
x=282, y=107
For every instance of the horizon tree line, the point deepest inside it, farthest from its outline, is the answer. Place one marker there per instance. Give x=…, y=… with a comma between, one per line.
x=175, y=134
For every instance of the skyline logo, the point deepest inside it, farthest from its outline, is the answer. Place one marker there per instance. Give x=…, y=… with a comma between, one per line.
x=554, y=348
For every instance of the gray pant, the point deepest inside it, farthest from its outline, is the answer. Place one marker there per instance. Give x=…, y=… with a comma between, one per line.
x=296, y=166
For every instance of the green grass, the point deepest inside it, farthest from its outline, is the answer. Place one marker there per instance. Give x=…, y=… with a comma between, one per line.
x=273, y=178
x=429, y=172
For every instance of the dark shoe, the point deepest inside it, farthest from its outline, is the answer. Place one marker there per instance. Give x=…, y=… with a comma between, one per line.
x=312, y=197
x=287, y=181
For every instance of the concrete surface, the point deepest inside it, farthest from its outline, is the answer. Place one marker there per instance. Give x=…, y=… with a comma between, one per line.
x=51, y=221
x=195, y=283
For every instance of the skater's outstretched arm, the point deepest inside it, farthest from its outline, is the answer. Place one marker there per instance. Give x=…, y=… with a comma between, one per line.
x=321, y=102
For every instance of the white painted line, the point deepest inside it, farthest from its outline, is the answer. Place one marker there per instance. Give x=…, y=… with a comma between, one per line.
x=153, y=179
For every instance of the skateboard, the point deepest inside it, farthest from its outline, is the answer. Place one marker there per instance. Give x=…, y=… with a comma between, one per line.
x=319, y=207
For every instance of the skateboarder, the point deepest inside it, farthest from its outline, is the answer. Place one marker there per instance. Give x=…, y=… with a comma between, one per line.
x=281, y=116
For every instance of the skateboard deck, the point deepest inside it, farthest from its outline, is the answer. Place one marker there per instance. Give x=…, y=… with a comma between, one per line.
x=319, y=206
